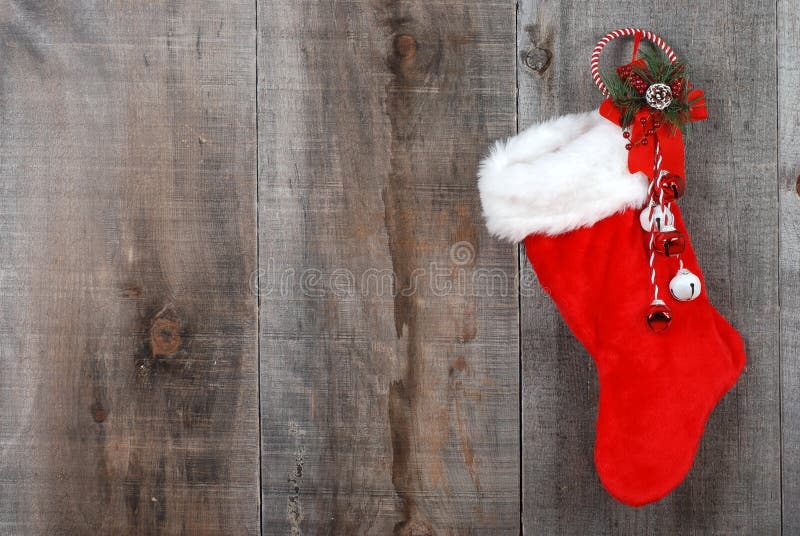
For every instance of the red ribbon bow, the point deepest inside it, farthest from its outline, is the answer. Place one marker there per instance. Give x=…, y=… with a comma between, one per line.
x=670, y=140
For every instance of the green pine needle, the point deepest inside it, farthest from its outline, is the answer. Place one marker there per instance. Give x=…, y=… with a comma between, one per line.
x=658, y=70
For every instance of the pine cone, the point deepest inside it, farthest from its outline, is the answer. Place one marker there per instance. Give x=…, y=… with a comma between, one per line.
x=659, y=96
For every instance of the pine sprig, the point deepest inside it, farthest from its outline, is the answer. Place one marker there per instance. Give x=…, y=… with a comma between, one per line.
x=661, y=70
x=624, y=95
x=657, y=69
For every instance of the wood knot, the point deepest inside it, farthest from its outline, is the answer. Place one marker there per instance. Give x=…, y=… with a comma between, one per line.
x=458, y=365
x=99, y=413
x=405, y=46
x=164, y=337
x=797, y=185
x=538, y=59
x=412, y=527
x=132, y=292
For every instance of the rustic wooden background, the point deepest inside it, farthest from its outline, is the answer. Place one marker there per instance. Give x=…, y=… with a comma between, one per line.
x=245, y=285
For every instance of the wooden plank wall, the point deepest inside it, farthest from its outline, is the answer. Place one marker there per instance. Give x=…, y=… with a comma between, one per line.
x=128, y=395
x=389, y=358
x=245, y=285
x=789, y=276
x=731, y=212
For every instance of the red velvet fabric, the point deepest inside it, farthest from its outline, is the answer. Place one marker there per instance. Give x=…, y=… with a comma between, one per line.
x=656, y=389
x=670, y=139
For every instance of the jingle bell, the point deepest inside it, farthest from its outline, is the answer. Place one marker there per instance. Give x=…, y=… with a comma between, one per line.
x=685, y=286
x=659, y=316
x=670, y=241
x=662, y=217
x=673, y=186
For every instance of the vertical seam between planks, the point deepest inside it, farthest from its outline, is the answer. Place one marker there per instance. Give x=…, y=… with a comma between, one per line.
x=779, y=231
x=520, y=465
x=258, y=287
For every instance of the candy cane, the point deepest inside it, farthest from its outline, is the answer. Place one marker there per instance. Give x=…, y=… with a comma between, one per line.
x=622, y=32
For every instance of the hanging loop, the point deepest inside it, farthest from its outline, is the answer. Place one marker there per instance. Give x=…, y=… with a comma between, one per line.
x=623, y=32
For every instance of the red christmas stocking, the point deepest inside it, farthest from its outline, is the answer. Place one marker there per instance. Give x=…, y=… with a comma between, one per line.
x=564, y=187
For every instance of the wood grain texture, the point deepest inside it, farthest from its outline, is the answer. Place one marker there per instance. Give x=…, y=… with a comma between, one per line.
x=389, y=319
x=789, y=183
x=734, y=486
x=128, y=397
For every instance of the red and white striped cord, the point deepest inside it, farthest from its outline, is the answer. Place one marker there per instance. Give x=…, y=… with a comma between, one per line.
x=665, y=208
x=668, y=208
x=654, y=189
x=621, y=32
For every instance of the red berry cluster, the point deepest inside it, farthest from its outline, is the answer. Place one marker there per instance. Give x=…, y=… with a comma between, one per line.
x=625, y=72
x=677, y=87
x=655, y=125
x=678, y=83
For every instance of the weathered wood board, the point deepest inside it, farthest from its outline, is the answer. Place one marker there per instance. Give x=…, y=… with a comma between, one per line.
x=730, y=208
x=200, y=197
x=789, y=277
x=128, y=393
x=389, y=357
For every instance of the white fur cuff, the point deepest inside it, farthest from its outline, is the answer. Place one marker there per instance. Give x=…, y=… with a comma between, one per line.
x=557, y=176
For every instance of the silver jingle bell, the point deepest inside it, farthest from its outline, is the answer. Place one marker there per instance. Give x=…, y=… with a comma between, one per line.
x=685, y=286
x=662, y=218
